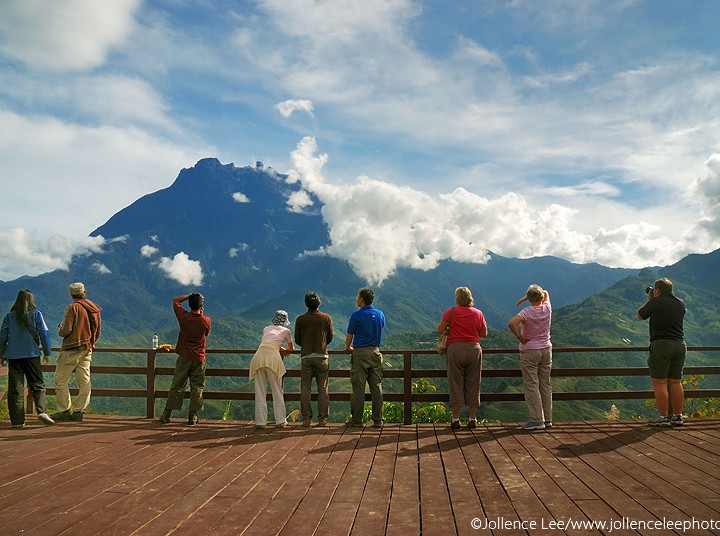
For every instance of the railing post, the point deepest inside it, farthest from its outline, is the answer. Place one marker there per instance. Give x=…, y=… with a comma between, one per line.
x=407, y=387
x=150, y=398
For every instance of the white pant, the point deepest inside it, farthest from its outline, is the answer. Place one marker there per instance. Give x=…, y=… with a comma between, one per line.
x=262, y=377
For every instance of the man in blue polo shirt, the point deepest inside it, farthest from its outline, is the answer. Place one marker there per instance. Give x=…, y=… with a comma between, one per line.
x=364, y=335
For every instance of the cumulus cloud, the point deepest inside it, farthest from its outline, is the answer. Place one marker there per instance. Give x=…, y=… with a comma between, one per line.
x=240, y=197
x=25, y=254
x=298, y=201
x=378, y=227
x=288, y=107
x=182, y=269
x=705, y=191
x=100, y=268
x=148, y=251
x=64, y=36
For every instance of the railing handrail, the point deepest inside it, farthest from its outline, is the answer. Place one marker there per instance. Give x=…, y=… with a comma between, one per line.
x=151, y=370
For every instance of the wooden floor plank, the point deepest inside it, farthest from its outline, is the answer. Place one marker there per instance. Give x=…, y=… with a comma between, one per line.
x=128, y=475
x=404, y=510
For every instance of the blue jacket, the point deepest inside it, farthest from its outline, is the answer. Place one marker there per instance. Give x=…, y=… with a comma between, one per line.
x=18, y=343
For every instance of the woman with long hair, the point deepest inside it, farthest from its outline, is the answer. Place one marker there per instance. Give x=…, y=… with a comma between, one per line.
x=22, y=337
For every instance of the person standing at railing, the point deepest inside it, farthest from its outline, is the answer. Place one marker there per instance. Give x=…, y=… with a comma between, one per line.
x=23, y=336
x=667, y=350
x=313, y=333
x=464, y=355
x=80, y=330
x=531, y=326
x=190, y=364
x=362, y=342
x=267, y=366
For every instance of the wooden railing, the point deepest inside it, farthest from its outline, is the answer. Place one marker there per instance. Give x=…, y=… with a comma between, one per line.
x=408, y=374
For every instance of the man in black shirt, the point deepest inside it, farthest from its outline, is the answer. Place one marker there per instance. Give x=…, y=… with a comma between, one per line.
x=667, y=350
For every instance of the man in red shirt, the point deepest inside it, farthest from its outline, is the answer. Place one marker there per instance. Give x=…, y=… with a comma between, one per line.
x=190, y=364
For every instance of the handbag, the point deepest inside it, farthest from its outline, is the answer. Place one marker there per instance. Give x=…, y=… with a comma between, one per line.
x=443, y=338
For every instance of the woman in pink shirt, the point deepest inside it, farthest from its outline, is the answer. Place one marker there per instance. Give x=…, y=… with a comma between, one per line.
x=464, y=354
x=267, y=366
x=531, y=326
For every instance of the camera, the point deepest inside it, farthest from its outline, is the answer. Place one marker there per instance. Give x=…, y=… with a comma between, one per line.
x=648, y=290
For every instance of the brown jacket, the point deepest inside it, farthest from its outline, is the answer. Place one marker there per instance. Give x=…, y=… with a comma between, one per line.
x=81, y=324
x=313, y=332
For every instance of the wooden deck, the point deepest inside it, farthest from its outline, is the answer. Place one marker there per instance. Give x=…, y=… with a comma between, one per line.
x=130, y=475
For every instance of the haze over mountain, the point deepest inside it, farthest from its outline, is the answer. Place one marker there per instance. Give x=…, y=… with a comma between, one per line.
x=241, y=236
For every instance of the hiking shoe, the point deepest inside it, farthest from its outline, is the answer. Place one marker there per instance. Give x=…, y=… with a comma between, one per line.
x=165, y=417
x=45, y=418
x=455, y=425
x=378, y=424
x=677, y=420
x=660, y=421
x=193, y=419
x=472, y=423
x=260, y=426
x=18, y=426
x=282, y=424
x=533, y=426
x=322, y=422
x=61, y=416
x=548, y=424
x=77, y=416
x=307, y=422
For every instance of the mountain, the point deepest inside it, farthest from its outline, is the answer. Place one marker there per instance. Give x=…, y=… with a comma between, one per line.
x=233, y=227
x=236, y=226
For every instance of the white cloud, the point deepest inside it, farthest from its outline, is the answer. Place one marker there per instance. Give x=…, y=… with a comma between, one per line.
x=148, y=250
x=298, y=201
x=234, y=251
x=100, y=268
x=70, y=35
x=288, y=107
x=377, y=226
x=592, y=188
x=182, y=269
x=240, y=197
x=24, y=254
x=705, y=191
x=94, y=163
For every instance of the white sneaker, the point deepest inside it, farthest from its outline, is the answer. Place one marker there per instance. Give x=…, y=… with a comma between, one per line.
x=45, y=418
x=533, y=426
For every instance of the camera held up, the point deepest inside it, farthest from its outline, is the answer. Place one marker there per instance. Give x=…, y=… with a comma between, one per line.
x=648, y=290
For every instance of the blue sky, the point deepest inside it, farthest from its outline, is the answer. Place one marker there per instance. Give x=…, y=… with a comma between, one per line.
x=585, y=130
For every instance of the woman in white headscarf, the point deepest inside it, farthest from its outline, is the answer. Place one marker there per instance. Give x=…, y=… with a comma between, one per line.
x=267, y=367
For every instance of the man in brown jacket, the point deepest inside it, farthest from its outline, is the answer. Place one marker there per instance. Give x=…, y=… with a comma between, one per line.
x=80, y=330
x=313, y=332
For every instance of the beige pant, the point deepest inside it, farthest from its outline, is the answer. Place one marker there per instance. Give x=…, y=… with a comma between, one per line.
x=536, y=366
x=263, y=376
x=69, y=361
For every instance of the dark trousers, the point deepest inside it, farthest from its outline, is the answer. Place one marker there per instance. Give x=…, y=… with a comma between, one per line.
x=194, y=372
x=314, y=367
x=19, y=370
x=366, y=367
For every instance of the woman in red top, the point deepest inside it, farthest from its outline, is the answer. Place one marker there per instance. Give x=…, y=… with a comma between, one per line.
x=464, y=354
